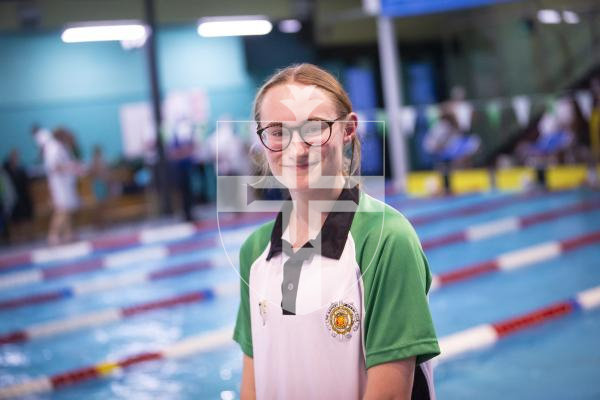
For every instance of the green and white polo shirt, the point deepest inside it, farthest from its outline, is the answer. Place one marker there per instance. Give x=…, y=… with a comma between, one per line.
x=314, y=321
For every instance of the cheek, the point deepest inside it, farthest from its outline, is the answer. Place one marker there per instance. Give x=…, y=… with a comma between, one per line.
x=274, y=160
x=330, y=156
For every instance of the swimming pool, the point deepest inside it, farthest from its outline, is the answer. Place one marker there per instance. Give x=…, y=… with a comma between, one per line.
x=556, y=359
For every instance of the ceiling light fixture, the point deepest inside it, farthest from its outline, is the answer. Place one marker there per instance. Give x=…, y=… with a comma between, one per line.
x=234, y=26
x=290, y=26
x=105, y=31
x=570, y=17
x=548, y=16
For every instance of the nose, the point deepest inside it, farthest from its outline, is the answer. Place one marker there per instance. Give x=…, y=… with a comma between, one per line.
x=298, y=146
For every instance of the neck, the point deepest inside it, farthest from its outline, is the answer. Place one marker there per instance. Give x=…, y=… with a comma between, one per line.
x=308, y=217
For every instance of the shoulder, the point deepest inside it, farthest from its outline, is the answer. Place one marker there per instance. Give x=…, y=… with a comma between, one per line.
x=386, y=245
x=377, y=221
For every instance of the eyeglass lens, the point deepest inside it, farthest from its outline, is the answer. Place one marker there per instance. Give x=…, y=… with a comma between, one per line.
x=277, y=137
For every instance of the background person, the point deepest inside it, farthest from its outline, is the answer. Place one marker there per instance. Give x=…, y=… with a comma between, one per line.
x=61, y=172
x=181, y=151
x=23, y=209
x=100, y=174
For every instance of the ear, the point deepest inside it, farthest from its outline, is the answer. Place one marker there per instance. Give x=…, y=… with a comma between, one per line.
x=350, y=127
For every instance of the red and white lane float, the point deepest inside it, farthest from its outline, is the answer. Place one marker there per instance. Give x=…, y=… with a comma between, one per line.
x=508, y=261
x=478, y=208
x=105, y=316
x=187, y=347
x=187, y=230
x=506, y=225
x=147, y=236
x=485, y=335
x=102, y=284
x=121, y=259
x=459, y=343
x=516, y=259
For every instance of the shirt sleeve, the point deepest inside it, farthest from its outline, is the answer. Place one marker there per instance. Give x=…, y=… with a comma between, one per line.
x=398, y=322
x=243, y=330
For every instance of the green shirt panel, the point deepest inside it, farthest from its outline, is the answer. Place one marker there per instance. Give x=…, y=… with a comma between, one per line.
x=252, y=248
x=396, y=277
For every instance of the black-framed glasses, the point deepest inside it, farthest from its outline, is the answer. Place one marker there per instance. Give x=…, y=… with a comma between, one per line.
x=277, y=136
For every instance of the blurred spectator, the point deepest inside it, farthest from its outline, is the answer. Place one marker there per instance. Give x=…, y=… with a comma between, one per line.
x=232, y=153
x=448, y=141
x=230, y=157
x=448, y=145
x=561, y=137
x=61, y=172
x=180, y=152
x=23, y=209
x=100, y=175
x=7, y=201
x=35, y=129
x=66, y=137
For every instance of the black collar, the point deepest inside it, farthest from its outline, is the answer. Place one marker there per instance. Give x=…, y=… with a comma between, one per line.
x=334, y=232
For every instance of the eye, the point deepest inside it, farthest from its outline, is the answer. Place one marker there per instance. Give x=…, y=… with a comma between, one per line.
x=313, y=127
x=274, y=132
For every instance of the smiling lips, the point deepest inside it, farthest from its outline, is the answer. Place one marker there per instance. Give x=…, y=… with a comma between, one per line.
x=301, y=165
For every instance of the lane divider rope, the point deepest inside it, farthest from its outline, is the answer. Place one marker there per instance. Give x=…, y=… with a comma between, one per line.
x=505, y=225
x=453, y=345
x=508, y=261
x=485, y=335
x=515, y=259
x=511, y=260
x=158, y=252
x=188, y=230
x=105, y=316
x=479, y=208
x=187, y=347
x=147, y=236
x=116, y=260
x=97, y=285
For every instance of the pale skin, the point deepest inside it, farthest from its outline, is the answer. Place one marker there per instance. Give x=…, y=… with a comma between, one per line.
x=391, y=380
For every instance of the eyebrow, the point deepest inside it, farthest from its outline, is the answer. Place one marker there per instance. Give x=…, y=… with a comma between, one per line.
x=273, y=123
x=279, y=123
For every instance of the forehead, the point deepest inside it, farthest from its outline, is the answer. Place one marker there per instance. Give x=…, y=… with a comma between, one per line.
x=282, y=103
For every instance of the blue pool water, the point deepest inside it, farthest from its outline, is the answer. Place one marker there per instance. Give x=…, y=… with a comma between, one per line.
x=556, y=360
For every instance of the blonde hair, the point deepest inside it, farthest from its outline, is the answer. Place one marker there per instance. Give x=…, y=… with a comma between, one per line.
x=310, y=74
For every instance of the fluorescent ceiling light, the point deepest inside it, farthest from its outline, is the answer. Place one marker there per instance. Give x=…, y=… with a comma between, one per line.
x=570, y=17
x=104, y=32
x=234, y=26
x=549, y=16
x=290, y=26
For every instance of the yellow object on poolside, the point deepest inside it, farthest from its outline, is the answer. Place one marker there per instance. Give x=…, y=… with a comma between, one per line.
x=513, y=179
x=428, y=183
x=474, y=180
x=565, y=176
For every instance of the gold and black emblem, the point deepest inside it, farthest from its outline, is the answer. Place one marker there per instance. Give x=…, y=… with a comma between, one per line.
x=342, y=319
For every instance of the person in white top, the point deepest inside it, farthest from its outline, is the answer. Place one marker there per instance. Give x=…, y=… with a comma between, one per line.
x=61, y=172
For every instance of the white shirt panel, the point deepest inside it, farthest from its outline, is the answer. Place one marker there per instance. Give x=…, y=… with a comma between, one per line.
x=299, y=356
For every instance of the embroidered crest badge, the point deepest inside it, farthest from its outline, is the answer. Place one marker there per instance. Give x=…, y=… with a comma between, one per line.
x=342, y=319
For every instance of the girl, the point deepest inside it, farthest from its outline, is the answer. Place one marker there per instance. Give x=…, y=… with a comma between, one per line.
x=334, y=291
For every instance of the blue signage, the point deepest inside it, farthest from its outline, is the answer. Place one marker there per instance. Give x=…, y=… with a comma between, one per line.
x=405, y=8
